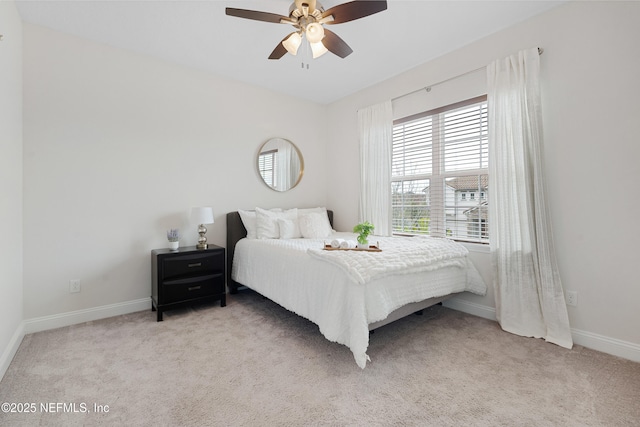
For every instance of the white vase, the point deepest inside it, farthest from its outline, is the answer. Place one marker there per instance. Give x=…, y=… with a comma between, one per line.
x=363, y=245
x=174, y=246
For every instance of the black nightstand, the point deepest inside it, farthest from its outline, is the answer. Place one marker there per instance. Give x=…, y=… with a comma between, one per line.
x=185, y=276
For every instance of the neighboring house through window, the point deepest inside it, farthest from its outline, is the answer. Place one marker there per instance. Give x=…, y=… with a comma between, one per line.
x=440, y=178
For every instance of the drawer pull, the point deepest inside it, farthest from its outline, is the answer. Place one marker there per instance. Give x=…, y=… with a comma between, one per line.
x=195, y=288
x=195, y=264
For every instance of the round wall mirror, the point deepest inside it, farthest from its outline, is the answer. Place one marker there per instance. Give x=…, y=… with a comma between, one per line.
x=280, y=164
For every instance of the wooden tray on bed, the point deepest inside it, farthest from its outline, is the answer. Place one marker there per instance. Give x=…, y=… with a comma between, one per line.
x=371, y=248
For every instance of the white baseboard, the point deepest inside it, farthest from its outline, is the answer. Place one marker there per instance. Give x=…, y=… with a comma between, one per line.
x=613, y=346
x=11, y=349
x=616, y=347
x=479, y=310
x=86, y=315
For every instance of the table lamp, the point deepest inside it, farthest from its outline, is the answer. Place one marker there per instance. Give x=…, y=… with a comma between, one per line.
x=202, y=215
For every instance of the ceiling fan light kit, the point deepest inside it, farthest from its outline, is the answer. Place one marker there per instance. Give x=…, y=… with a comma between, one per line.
x=317, y=49
x=314, y=32
x=292, y=43
x=308, y=18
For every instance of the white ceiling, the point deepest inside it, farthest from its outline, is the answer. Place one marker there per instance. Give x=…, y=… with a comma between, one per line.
x=198, y=34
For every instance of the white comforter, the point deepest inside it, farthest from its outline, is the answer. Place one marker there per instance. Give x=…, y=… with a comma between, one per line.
x=398, y=256
x=344, y=291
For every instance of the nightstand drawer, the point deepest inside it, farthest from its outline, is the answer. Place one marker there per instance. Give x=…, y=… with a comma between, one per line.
x=194, y=264
x=195, y=287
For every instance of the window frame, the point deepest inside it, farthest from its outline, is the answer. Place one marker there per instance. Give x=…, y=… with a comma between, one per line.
x=438, y=204
x=266, y=159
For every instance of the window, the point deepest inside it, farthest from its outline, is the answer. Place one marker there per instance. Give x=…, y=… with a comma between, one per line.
x=267, y=165
x=440, y=157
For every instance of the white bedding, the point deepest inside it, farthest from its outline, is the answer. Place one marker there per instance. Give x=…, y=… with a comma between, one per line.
x=344, y=291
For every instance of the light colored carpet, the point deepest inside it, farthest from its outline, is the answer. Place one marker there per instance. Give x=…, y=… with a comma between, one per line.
x=254, y=363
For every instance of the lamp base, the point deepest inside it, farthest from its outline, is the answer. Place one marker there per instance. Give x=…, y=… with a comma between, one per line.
x=202, y=240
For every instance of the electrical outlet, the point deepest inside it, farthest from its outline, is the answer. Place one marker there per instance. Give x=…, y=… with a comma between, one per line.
x=572, y=298
x=74, y=285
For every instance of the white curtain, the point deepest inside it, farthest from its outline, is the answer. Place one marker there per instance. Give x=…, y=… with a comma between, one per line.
x=287, y=164
x=376, y=125
x=528, y=291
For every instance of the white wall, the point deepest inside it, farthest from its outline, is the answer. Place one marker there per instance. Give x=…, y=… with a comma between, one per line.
x=10, y=182
x=119, y=146
x=590, y=70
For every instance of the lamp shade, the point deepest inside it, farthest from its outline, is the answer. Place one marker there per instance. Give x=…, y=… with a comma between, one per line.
x=315, y=32
x=292, y=43
x=202, y=215
x=317, y=49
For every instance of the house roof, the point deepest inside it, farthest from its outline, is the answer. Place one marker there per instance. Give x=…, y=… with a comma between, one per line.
x=468, y=182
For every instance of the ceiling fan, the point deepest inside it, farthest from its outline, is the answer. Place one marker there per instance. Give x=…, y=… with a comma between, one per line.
x=308, y=18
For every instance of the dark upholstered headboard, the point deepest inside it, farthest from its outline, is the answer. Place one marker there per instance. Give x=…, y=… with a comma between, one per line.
x=235, y=232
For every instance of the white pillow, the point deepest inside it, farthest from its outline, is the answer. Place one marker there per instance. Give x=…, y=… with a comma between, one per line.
x=311, y=210
x=289, y=228
x=321, y=210
x=314, y=225
x=249, y=221
x=267, y=226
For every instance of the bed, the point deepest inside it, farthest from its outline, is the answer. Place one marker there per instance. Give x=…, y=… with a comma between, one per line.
x=348, y=293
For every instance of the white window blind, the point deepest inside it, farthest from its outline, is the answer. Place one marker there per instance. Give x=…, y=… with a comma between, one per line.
x=267, y=165
x=440, y=180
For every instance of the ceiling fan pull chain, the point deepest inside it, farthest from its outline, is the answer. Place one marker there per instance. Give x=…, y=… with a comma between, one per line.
x=305, y=56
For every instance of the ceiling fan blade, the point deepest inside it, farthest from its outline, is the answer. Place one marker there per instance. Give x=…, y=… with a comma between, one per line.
x=354, y=10
x=255, y=15
x=335, y=44
x=280, y=50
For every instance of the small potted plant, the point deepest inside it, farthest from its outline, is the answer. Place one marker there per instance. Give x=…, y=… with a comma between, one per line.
x=363, y=229
x=173, y=236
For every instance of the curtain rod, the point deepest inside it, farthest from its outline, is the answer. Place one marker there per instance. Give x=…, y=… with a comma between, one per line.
x=428, y=88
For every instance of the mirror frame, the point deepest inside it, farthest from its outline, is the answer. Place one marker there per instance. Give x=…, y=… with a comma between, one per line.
x=300, y=158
